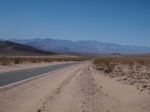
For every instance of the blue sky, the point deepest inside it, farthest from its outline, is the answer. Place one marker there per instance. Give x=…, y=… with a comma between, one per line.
x=115, y=21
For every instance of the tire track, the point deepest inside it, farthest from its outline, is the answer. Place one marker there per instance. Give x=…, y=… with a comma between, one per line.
x=58, y=91
x=78, y=93
x=91, y=94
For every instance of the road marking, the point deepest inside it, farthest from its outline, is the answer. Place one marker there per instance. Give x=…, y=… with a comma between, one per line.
x=31, y=78
x=25, y=80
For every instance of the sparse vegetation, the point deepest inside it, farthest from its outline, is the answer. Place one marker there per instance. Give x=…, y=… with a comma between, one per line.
x=132, y=71
x=5, y=61
x=108, y=64
x=8, y=60
x=105, y=64
x=17, y=61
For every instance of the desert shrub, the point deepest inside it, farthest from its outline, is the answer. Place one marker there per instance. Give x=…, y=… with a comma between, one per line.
x=18, y=61
x=144, y=62
x=108, y=64
x=34, y=61
x=5, y=61
x=105, y=64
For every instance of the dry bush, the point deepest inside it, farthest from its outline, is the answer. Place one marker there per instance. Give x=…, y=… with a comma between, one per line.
x=8, y=60
x=108, y=64
x=132, y=71
x=18, y=61
x=5, y=61
x=105, y=64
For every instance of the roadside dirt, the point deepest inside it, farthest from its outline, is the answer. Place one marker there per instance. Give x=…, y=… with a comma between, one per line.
x=78, y=88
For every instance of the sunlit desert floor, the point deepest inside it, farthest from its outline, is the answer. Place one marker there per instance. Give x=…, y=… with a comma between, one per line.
x=78, y=88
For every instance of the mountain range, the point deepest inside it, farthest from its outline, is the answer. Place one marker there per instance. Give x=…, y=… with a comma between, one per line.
x=13, y=48
x=89, y=47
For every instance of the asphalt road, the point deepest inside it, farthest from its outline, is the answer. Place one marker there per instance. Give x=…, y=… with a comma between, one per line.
x=19, y=75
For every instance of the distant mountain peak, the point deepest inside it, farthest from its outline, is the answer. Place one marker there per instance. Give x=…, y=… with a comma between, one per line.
x=80, y=46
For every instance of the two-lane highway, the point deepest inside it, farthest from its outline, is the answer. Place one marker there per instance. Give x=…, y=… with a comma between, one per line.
x=20, y=75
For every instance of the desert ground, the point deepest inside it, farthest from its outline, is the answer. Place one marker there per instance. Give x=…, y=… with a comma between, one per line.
x=80, y=88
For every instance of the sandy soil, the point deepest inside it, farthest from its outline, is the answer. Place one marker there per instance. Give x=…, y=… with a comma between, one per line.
x=131, y=74
x=78, y=88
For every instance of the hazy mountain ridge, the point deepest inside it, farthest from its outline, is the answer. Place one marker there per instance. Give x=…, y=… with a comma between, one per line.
x=92, y=47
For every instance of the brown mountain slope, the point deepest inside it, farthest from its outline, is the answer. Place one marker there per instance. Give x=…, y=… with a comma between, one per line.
x=12, y=48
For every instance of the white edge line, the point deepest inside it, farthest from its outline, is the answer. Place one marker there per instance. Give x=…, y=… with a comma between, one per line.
x=25, y=80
